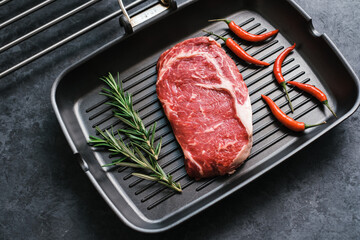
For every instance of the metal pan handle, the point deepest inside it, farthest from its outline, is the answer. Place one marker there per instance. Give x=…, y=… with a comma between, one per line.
x=129, y=23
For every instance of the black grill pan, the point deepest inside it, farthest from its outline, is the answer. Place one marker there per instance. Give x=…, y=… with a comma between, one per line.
x=150, y=207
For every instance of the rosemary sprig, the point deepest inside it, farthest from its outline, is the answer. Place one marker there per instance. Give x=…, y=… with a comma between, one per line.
x=136, y=157
x=141, y=139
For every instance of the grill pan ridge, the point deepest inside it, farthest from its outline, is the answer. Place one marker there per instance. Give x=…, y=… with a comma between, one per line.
x=150, y=207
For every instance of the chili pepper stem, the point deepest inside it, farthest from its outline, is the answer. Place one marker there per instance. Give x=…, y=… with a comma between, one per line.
x=283, y=84
x=211, y=33
x=220, y=20
x=314, y=125
x=326, y=103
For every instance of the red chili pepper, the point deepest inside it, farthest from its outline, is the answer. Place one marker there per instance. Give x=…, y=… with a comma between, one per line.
x=277, y=71
x=241, y=33
x=285, y=119
x=235, y=48
x=317, y=93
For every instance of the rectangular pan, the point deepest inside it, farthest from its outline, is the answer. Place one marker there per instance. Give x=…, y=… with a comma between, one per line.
x=150, y=207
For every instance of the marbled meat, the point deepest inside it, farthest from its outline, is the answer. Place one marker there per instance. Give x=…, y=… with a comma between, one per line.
x=207, y=104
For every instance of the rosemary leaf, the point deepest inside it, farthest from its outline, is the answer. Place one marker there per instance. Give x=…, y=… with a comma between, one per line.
x=130, y=131
x=158, y=148
x=153, y=134
x=127, y=122
x=146, y=177
x=127, y=164
x=133, y=137
x=119, y=160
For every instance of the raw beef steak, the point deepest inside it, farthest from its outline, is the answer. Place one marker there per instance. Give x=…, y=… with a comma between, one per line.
x=208, y=105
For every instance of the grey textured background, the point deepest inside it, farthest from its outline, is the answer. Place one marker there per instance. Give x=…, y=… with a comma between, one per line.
x=45, y=195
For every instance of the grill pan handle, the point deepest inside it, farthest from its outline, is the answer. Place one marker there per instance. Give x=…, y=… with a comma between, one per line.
x=129, y=23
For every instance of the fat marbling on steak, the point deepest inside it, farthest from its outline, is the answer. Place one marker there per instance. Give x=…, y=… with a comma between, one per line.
x=207, y=103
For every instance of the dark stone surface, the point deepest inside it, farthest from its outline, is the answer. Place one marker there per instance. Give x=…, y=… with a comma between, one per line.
x=45, y=195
